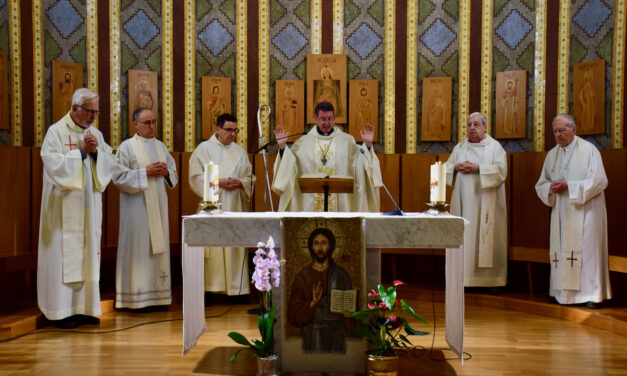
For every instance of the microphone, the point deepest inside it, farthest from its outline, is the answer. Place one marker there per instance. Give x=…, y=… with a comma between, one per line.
x=396, y=211
x=276, y=139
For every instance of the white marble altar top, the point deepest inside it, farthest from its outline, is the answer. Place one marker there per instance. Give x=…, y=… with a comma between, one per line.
x=414, y=230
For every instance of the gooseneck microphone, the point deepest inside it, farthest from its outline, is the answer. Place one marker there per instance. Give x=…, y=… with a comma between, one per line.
x=396, y=211
x=265, y=146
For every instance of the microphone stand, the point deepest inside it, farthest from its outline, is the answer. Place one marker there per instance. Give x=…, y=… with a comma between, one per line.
x=267, y=192
x=397, y=211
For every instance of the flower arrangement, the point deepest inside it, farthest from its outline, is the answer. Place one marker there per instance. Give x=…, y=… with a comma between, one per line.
x=382, y=325
x=267, y=274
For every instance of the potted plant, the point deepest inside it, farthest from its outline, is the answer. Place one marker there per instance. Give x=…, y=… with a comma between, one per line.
x=385, y=329
x=267, y=274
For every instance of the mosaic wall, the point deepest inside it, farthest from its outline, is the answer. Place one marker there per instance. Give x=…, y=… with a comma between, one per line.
x=364, y=34
x=140, y=36
x=5, y=135
x=215, y=48
x=65, y=34
x=289, y=43
x=513, y=49
x=438, y=47
x=591, y=38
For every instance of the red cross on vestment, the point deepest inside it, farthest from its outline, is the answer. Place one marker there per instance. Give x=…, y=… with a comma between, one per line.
x=69, y=144
x=571, y=258
x=555, y=260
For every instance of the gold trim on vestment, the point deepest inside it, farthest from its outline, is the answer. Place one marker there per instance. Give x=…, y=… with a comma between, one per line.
x=412, y=76
x=486, y=62
x=114, y=72
x=38, y=74
x=618, y=80
x=390, y=85
x=464, y=68
x=539, y=91
x=16, y=71
x=563, y=59
x=168, y=72
x=242, y=74
x=190, y=74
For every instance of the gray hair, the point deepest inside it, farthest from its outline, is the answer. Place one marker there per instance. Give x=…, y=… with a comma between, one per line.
x=570, y=120
x=81, y=95
x=484, y=120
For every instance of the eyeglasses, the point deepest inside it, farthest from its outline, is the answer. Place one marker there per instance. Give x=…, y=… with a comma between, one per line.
x=324, y=120
x=230, y=130
x=149, y=122
x=89, y=111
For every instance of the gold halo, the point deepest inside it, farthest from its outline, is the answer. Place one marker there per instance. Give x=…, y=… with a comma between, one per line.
x=328, y=223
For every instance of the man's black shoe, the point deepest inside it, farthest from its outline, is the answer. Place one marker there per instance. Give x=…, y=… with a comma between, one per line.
x=593, y=305
x=66, y=323
x=552, y=300
x=87, y=320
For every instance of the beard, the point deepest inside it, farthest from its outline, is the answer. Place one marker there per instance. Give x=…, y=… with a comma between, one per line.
x=321, y=258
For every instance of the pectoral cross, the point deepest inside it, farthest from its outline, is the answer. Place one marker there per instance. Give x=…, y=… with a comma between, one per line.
x=571, y=258
x=324, y=160
x=555, y=260
x=69, y=144
x=164, y=277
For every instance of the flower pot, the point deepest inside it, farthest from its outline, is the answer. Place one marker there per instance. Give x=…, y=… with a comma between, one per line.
x=268, y=366
x=382, y=365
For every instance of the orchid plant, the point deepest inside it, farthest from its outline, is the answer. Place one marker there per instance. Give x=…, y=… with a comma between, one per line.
x=266, y=275
x=382, y=325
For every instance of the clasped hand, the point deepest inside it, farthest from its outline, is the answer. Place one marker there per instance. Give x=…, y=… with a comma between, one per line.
x=157, y=169
x=559, y=186
x=466, y=167
x=229, y=184
x=90, y=144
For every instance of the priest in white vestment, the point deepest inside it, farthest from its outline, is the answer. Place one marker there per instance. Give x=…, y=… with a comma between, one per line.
x=327, y=151
x=572, y=183
x=476, y=170
x=143, y=276
x=77, y=166
x=226, y=269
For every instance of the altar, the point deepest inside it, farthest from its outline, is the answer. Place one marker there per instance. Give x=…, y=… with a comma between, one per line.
x=414, y=230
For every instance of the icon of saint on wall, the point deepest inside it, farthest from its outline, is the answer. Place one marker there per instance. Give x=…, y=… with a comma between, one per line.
x=510, y=108
x=328, y=89
x=215, y=105
x=587, y=100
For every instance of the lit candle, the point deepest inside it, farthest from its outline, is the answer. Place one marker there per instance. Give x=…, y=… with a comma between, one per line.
x=438, y=182
x=211, y=189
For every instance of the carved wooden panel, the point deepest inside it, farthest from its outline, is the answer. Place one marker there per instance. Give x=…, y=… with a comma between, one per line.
x=216, y=100
x=326, y=81
x=364, y=107
x=66, y=78
x=436, y=108
x=511, y=104
x=143, y=91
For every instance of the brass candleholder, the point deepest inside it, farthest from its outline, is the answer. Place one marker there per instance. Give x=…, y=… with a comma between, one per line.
x=209, y=207
x=437, y=208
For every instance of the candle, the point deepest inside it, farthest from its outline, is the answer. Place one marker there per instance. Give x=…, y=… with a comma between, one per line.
x=438, y=182
x=211, y=189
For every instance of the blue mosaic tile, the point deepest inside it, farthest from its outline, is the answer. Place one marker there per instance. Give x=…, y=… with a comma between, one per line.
x=64, y=17
x=363, y=41
x=513, y=29
x=591, y=16
x=593, y=141
x=512, y=147
x=141, y=29
x=437, y=148
x=437, y=37
x=2, y=3
x=215, y=37
x=289, y=41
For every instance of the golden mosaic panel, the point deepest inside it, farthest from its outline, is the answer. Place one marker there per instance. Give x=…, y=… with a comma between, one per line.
x=190, y=74
x=563, y=60
x=486, y=62
x=242, y=74
x=168, y=74
x=114, y=72
x=464, y=67
x=412, y=75
x=338, y=26
x=38, y=73
x=390, y=100
x=539, y=77
x=16, y=71
x=618, y=81
x=316, y=27
x=264, y=62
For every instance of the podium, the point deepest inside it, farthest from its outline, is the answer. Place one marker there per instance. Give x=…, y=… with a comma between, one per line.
x=326, y=185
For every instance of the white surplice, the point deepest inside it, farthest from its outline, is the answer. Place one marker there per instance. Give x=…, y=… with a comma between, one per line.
x=578, y=245
x=143, y=276
x=68, y=267
x=480, y=198
x=334, y=155
x=226, y=269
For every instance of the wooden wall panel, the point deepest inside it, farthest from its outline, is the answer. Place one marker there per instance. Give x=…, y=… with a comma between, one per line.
x=189, y=200
x=415, y=181
x=390, y=170
x=111, y=219
x=36, y=176
x=174, y=203
x=15, y=205
x=530, y=217
x=259, y=184
x=615, y=163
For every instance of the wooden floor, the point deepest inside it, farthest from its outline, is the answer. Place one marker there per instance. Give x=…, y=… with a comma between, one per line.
x=500, y=339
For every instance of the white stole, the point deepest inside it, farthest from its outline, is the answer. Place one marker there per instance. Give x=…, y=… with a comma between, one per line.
x=151, y=196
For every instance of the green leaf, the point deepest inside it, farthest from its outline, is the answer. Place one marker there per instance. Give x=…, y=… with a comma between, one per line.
x=237, y=352
x=239, y=338
x=411, y=331
x=388, y=297
x=361, y=315
x=405, y=307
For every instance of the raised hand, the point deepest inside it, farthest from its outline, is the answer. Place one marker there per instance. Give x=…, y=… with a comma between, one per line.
x=367, y=134
x=316, y=294
x=280, y=136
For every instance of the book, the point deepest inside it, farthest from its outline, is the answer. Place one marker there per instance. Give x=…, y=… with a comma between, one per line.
x=343, y=301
